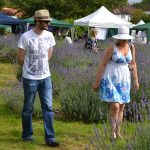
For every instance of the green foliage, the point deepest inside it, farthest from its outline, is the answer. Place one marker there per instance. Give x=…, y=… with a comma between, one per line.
x=141, y=138
x=116, y=4
x=79, y=102
x=146, y=18
x=144, y=4
x=69, y=8
x=137, y=15
x=56, y=81
x=2, y=3
x=3, y=31
x=7, y=55
x=14, y=100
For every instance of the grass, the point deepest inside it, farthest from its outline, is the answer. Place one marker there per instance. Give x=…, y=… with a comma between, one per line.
x=72, y=135
x=7, y=73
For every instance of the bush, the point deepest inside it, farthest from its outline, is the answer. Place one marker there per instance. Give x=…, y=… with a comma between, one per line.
x=141, y=138
x=79, y=102
x=14, y=98
x=7, y=55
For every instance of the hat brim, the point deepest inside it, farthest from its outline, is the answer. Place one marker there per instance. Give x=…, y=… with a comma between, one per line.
x=49, y=19
x=123, y=37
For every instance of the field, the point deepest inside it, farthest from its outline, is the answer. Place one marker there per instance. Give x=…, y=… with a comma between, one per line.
x=75, y=132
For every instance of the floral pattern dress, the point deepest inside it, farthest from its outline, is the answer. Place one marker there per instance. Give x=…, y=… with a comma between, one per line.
x=115, y=83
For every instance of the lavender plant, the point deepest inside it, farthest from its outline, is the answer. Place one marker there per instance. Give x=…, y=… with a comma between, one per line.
x=139, y=140
x=141, y=137
x=8, y=49
x=13, y=96
x=73, y=71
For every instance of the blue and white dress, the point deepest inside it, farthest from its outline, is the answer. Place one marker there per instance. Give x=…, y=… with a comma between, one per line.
x=115, y=82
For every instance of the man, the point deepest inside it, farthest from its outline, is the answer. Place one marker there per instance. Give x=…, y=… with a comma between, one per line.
x=35, y=48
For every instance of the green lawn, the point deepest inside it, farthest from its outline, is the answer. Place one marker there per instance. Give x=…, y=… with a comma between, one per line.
x=72, y=135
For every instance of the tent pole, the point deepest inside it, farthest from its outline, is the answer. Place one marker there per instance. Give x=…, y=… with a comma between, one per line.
x=72, y=33
x=88, y=31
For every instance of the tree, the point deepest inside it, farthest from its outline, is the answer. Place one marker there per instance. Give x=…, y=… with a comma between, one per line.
x=143, y=5
x=137, y=15
x=66, y=8
x=2, y=3
x=115, y=4
x=146, y=18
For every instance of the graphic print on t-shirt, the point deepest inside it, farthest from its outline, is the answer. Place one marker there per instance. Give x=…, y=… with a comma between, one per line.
x=37, y=57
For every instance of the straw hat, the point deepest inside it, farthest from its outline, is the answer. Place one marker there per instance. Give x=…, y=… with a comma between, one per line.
x=42, y=14
x=123, y=34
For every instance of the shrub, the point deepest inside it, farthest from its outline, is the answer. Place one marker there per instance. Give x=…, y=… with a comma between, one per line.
x=7, y=55
x=79, y=102
x=14, y=98
x=141, y=138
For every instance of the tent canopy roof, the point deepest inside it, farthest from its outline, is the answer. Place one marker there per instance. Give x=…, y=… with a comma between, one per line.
x=145, y=26
x=54, y=22
x=102, y=18
x=140, y=22
x=6, y=20
x=4, y=26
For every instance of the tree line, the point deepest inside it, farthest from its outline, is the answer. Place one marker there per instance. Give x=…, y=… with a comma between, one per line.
x=74, y=9
x=62, y=9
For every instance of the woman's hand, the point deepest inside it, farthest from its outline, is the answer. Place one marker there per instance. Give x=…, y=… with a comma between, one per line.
x=95, y=86
x=136, y=85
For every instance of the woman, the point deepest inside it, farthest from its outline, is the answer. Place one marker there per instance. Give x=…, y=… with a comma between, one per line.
x=92, y=41
x=113, y=78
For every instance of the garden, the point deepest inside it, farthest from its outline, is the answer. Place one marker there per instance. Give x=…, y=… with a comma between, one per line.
x=80, y=117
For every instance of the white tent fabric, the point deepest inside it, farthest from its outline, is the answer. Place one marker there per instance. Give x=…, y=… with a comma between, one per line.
x=102, y=18
x=102, y=33
x=140, y=22
x=141, y=36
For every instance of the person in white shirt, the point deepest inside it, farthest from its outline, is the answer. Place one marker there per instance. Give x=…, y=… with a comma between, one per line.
x=35, y=48
x=67, y=39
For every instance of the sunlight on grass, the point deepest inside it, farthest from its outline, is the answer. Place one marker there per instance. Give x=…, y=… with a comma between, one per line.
x=7, y=75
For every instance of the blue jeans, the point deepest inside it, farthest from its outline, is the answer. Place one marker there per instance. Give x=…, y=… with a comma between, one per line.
x=44, y=89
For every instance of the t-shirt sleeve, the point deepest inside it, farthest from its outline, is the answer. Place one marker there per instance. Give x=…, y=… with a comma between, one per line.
x=22, y=42
x=52, y=40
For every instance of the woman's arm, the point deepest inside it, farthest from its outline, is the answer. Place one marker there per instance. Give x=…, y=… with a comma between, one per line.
x=102, y=65
x=135, y=75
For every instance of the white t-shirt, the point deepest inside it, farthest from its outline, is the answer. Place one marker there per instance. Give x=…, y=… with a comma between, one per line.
x=68, y=40
x=36, y=65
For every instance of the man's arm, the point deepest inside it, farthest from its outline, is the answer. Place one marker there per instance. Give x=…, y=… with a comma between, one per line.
x=20, y=56
x=50, y=51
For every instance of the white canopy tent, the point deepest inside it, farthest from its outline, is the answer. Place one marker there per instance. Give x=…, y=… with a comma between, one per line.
x=140, y=22
x=102, y=18
x=141, y=36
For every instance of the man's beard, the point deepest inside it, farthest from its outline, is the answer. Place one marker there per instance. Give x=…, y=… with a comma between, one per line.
x=42, y=28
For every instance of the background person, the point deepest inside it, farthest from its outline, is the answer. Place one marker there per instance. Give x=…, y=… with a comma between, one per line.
x=67, y=39
x=91, y=42
x=35, y=48
x=113, y=78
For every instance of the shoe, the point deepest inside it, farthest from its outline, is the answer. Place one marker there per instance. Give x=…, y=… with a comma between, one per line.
x=53, y=144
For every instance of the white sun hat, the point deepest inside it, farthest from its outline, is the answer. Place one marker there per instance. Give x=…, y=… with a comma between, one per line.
x=123, y=34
